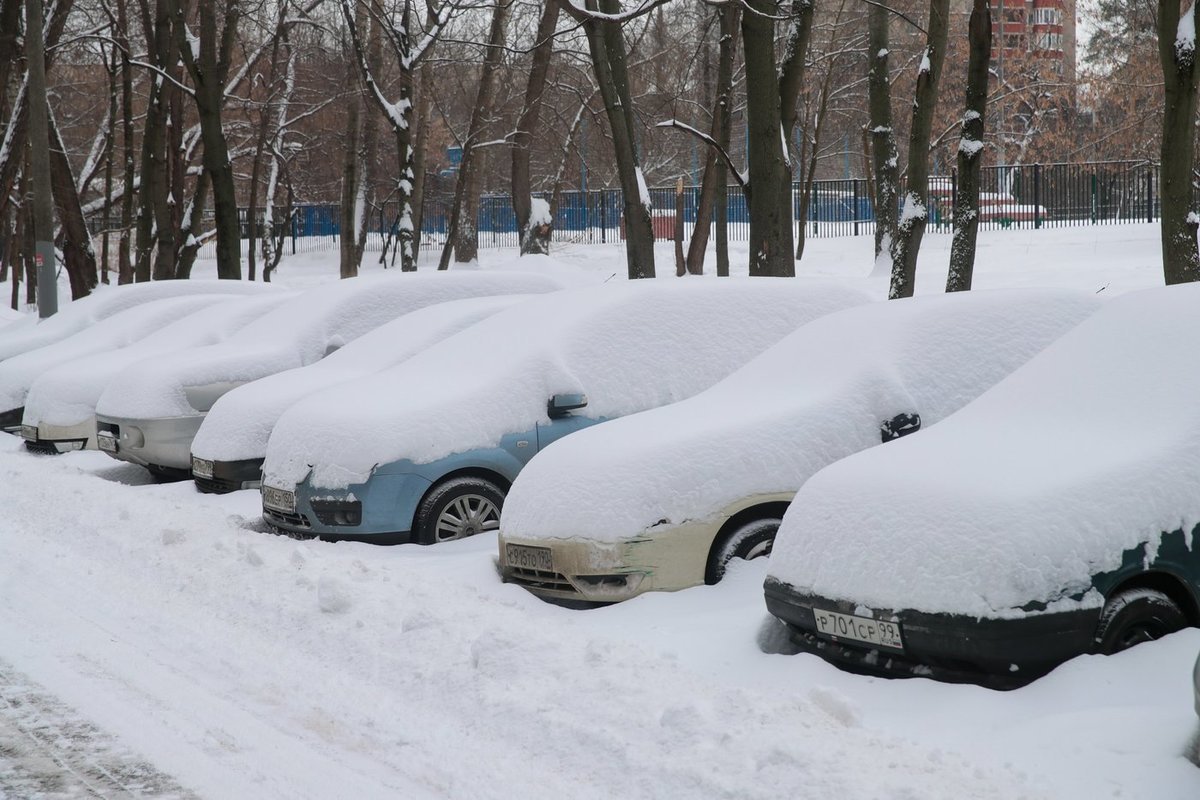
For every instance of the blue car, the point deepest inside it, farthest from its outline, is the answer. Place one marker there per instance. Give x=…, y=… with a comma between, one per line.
x=427, y=450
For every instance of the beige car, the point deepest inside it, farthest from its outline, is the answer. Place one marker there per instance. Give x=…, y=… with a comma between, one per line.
x=665, y=499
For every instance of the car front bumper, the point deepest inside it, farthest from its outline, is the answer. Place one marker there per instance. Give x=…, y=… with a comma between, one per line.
x=222, y=477
x=163, y=445
x=1000, y=653
x=51, y=439
x=387, y=502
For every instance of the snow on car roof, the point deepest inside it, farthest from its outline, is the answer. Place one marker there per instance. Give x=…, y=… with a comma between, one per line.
x=120, y=330
x=1089, y=449
x=104, y=301
x=301, y=331
x=67, y=394
x=818, y=395
x=627, y=346
x=238, y=425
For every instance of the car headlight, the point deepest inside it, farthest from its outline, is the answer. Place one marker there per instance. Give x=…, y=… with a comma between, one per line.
x=337, y=512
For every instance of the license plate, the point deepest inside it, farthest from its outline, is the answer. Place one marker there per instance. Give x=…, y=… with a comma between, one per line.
x=279, y=499
x=202, y=467
x=107, y=443
x=860, y=629
x=523, y=557
x=29, y=433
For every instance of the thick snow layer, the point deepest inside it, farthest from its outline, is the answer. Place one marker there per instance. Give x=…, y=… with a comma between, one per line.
x=126, y=328
x=301, y=332
x=67, y=394
x=628, y=347
x=1089, y=449
x=240, y=423
x=102, y=303
x=817, y=396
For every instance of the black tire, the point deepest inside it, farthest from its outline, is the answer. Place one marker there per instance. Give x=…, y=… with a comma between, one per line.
x=458, y=508
x=1134, y=616
x=748, y=540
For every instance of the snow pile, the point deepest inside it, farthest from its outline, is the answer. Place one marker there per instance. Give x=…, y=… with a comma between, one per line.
x=628, y=347
x=239, y=423
x=128, y=327
x=103, y=302
x=539, y=213
x=1088, y=450
x=67, y=395
x=815, y=397
x=301, y=332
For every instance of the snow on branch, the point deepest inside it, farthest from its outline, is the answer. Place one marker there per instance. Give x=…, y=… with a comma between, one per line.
x=743, y=180
x=580, y=13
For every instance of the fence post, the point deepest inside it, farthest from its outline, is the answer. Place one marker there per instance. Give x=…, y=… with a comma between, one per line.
x=1095, y=197
x=856, y=206
x=953, y=193
x=1149, y=194
x=603, y=218
x=1037, y=195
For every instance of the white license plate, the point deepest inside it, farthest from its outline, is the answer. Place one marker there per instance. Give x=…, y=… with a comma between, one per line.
x=107, y=443
x=860, y=629
x=29, y=433
x=522, y=557
x=279, y=499
x=202, y=467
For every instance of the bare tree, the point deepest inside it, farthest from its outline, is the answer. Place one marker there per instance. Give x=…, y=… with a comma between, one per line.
x=970, y=150
x=535, y=238
x=1177, y=55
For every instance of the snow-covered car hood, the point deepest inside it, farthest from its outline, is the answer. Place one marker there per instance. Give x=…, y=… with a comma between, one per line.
x=628, y=347
x=104, y=301
x=67, y=394
x=300, y=332
x=240, y=423
x=118, y=331
x=1042, y=482
x=817, y=396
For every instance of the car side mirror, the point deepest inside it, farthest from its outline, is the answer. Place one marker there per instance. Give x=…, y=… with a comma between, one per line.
x=899, y=425
x=560, y=405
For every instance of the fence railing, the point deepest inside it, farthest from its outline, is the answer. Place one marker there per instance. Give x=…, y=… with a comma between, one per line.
x=1020, y=196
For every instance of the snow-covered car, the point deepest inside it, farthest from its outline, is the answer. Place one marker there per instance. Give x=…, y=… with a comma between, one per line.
x=229, y=448
x=1055, y=515
x=435, y=464
x=663, y=500
x=133, y=325
x=1196, y=688
x=60, y=409
x=31, y=333
x=151, y=411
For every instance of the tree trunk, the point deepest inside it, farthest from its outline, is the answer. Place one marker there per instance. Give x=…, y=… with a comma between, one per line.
x=915, y=213
x=769, y=194
x=110, y=139
x=883, y=141
x=420, y=146
x=125, y=265
x=192, y=222
x=352, y=165
x=1177, y=55
x=534, y=240
x=970, y=150
x=792, y=70
x=78, y=256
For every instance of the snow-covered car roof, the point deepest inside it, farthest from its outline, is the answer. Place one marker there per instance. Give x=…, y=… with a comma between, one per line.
x=818, y=395
x=627, y=346
x=1088, y=450
x=300, y=332
x=104, y=301
x=120, y=330
x=67, y=394
x=239, y=424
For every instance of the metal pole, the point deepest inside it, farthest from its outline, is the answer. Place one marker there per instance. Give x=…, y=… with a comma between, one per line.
x=39, y=161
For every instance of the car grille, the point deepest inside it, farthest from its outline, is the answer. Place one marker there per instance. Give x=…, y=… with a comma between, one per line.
x=540, y=579
x=41, y=447
x=284, y=518
x=216, y=485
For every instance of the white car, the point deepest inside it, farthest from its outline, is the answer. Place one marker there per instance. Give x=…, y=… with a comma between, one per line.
x=229, y=448
x=133, y=325
x=60, y=409
x=663, y=500
x=425, y=451
x=151, y=411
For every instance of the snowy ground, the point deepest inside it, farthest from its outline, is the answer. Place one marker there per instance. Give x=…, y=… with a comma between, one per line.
x=152, y=627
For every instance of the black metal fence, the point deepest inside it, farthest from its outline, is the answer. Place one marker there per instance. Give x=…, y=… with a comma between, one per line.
x=1021, y=196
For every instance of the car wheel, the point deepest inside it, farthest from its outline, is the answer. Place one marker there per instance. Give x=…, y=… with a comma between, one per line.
x=749, y=540
x=458, y=508
x=1134, y=616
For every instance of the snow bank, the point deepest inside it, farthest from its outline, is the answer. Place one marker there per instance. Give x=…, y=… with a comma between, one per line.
x=128, y=327
x=103, y=302
x=67, y=394
x=239, y=423
x=1089, y=449
x=628, y=347
x=301, y=332
x=815, y=397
